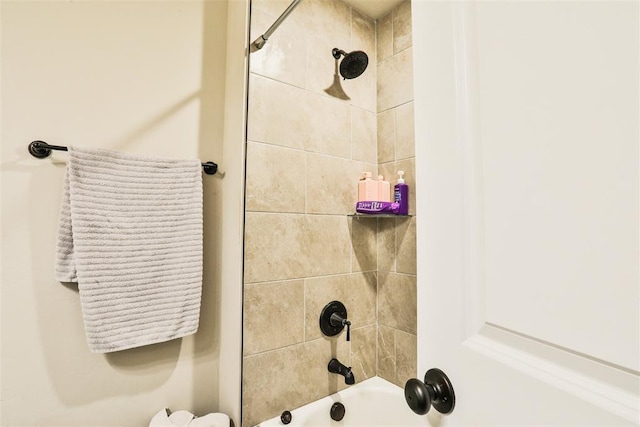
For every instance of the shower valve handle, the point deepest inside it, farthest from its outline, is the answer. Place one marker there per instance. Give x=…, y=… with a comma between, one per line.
x=337, y=320
x=333, y=319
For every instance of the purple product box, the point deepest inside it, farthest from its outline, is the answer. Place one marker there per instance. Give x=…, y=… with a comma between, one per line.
x=373, y=207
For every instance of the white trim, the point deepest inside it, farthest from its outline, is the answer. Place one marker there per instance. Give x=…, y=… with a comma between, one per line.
x=469, y=136
x=598, y=393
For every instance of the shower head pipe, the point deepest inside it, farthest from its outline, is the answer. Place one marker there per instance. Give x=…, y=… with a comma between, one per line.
x=261, y=40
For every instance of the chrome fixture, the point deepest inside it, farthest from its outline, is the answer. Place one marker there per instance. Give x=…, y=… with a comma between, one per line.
x=260, y=41
x=335, y=367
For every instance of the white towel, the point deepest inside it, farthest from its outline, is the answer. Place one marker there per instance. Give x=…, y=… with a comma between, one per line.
x=187, y=419
x=130, y=235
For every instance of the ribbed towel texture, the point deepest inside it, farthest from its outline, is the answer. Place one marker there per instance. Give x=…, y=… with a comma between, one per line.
x=130, y=235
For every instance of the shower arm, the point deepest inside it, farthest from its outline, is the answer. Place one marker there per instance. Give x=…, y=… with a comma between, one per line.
x=260, y=41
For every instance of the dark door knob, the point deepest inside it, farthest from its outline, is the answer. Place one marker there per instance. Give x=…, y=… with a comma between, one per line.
x=436, y=391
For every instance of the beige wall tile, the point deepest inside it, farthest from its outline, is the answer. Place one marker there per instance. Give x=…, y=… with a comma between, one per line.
x=363, y=135
x=273, y=247
x=274, y=115
x=326, y=240
x=385, y=37
x=264, y=303
x=363, y=35
x=328, y=19
x=273, y=8
x=390, y=171
x=362, y=89
x=406, y=357
x=402, y=27
x=356, y=291
x=284, y=115
x=395, y=80
x=275, y=179
x=405, y=131
x=279, y=59
x=363, y=352
x=289, y=377
x=386, y=244
x=329, y=125
x=332, y=184
x=387, y=353
x=364, y=242
x=397, y=301
x=406, y=245
x=289, y=246
x=386, y=136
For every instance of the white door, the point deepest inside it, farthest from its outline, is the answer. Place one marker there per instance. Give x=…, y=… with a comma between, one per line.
x=527, y=161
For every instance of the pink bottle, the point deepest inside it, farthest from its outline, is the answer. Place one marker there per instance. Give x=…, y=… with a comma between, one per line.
x=384, y=190
x=367, y=188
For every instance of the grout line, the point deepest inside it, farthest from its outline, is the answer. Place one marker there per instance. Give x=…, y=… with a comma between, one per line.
x=395, y=357
x=377, y=322
x=322, y=95
x=290, y=279
x=351, y=142
x=389, y=58
x=395, y=134
x=306, y=183
x=304, y=150
x=402, y=104
x=338, y=215
x=304, y=310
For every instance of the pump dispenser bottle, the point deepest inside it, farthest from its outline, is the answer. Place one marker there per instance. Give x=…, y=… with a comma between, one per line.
x=401, y=195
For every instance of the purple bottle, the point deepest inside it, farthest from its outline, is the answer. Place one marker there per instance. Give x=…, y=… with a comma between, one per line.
x=401, y=195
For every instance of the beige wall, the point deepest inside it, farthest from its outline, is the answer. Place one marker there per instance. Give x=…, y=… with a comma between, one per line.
x=396, y=237
x=140, y=77
x=306, y=151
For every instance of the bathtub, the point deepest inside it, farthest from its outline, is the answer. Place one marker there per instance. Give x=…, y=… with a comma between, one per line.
x=371, y=403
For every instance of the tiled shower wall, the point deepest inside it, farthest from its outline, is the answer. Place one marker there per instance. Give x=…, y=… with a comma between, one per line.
x=396, y=236
x=305, y=152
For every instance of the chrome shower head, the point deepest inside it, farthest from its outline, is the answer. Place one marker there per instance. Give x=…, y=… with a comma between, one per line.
x=353, y=64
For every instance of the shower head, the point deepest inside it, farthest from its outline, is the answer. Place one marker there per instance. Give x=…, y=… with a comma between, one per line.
x=353, y=64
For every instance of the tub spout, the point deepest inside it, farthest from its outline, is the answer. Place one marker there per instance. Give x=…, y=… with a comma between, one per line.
x=336, y=367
